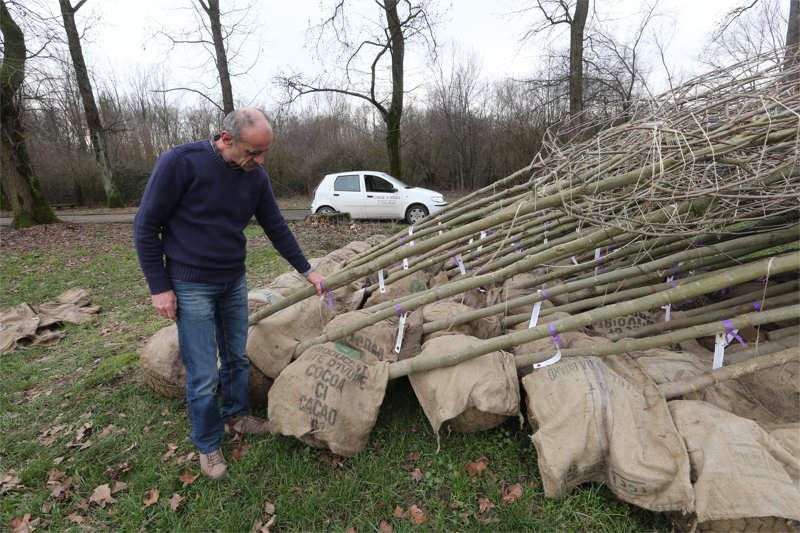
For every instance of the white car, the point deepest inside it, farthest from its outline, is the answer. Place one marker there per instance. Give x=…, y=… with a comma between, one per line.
x=371, y=194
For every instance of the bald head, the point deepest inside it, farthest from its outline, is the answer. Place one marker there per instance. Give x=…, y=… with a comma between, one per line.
x=245, y=137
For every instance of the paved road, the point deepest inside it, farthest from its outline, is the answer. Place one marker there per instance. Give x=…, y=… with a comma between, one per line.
x=127, y=218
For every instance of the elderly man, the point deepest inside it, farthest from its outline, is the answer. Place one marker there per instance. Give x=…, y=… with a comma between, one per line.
x=189, y=235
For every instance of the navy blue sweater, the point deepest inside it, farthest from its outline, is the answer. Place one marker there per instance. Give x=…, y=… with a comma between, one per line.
x=190, y=224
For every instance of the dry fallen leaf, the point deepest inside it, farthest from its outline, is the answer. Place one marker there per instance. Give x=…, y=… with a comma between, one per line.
x=118, y=486
x=102, y=495
x=399, y=512
x=417, y=514
x=417, y=475
x=477, y=468
x=513, y=493
x=47, y=506
x=83, y=431
x=75, y=518
x=175, y=501
x=385, y=527
x=21, y=525
x=187, y=478
x=8, y=483
x=170, y=451
x=150, y=497
x=261, y=527
x=269, y=508
x=484, y=505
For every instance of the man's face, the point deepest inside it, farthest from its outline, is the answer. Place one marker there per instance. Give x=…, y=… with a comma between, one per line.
x=248, y=152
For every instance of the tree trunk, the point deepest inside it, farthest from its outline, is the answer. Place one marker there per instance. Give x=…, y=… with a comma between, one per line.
x=792, y=56
x=576, y=61
x=212, y=10
x=19, y=181
x=96, y=131
x=395, y=113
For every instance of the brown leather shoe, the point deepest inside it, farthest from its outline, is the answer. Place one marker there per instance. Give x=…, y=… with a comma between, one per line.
x=248, y=425
x=213, y=465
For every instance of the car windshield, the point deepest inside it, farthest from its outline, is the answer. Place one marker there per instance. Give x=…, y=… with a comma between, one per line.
x=399, y=183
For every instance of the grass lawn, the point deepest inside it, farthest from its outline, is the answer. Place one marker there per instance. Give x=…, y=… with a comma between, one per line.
x=78, y=422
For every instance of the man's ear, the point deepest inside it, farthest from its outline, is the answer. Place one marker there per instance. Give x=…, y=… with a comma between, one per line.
x=226, y=137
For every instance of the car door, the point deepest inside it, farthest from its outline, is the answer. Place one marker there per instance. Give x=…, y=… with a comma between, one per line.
x=382, y=199
x=348, y=194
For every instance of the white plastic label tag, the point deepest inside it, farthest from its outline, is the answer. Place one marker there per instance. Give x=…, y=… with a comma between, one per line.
x=483, y=236
x=574, y=260
x=555, y=359
x=545, y=237
x=596, y=258
x=410, y=233
x=400, y=329
x=719, y=350
x=381, y=284
x=461, y=266
x=405, y=263
x=535, y=315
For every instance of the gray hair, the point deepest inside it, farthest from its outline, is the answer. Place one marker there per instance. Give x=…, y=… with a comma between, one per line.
x=240, y=119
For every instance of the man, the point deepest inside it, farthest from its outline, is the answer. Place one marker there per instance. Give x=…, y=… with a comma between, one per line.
x=189, y=235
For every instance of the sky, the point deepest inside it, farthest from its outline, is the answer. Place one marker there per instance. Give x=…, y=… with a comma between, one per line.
x=124, y=41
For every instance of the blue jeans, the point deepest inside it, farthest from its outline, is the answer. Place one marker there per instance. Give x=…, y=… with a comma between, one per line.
x=211, y=317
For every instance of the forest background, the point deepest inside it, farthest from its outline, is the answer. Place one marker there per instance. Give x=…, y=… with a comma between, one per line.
x=462, y=127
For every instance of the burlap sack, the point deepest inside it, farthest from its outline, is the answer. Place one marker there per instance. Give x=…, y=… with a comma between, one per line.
x=329, y=398
x=483, y=328
x=24, y=326
x=471, y=396
x=546, y=344
x=604, y=420
x=271, y=342
x=666, y=366
x=740, y=471
x=345, y=298
x=380, y=339
x=777, y=389
x=161, y=364
x=261, y=298
x=411, y=284
x=622, y=324
x=357, y=247
x=787, y=435
x=500, y=295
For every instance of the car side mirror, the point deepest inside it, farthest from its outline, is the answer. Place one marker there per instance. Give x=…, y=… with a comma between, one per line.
x=394, y=190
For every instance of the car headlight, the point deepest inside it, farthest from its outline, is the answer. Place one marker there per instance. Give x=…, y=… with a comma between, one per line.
x=437, y=199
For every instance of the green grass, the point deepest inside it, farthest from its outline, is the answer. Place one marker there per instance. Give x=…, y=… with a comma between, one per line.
x=92, y=376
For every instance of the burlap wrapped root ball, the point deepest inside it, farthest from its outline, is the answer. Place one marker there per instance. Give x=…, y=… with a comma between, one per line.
x=604, y=420
x=482, y=328
x=380, y=339
x=471, y=396
x=329, y=398
x=271, y=342
x=744, y=478
x=161, y=364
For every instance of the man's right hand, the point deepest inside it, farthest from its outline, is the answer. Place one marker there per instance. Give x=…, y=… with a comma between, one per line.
x=166, y=304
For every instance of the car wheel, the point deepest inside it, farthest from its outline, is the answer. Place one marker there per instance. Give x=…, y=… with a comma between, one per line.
x=415, y=213
x=325, y=209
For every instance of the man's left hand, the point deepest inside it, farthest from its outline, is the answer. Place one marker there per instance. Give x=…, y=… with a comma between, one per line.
x=316, y=279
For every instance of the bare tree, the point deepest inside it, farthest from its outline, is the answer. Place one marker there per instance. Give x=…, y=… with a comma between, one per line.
x=573, y=13
x=756, y=27
x=93, y=120
x=220, y=33
x=364, y=62
x=19, y=181
x=792, y=56
x=459, y=100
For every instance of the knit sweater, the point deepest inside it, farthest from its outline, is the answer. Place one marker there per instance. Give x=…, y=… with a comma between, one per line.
x=190, y=223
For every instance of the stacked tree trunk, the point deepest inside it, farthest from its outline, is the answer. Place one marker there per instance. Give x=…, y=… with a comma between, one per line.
x=673, y=232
